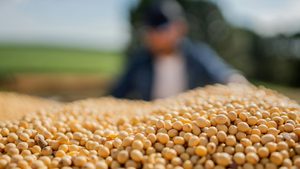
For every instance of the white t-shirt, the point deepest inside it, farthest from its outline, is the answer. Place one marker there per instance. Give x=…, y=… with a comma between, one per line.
x=170, y=76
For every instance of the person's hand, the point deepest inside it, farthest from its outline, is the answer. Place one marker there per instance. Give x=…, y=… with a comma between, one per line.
x=238, y=78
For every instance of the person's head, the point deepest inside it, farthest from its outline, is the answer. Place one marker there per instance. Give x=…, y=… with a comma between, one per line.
x=165, y=26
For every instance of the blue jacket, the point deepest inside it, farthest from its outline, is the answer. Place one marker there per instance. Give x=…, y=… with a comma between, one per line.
x=202, y=63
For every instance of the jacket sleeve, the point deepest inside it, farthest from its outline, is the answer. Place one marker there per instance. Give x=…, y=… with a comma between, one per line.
x=217, y=69
x=125, y=84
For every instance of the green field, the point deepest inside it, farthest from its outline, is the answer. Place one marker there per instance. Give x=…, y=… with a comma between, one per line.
x=40, y=59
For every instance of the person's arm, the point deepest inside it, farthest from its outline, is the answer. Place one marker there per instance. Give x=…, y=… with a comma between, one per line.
x=218, y=69
x=124, y=84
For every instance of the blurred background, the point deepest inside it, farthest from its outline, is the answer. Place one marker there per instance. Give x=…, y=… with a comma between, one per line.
x=68, y=50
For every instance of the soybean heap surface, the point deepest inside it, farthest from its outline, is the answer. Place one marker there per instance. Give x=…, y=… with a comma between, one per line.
x=14, y=106
x=218, y=126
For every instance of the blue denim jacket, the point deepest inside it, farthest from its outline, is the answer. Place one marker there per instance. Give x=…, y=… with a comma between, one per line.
x=202, y=63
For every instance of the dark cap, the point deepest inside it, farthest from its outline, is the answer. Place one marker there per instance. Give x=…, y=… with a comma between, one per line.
x=162, y=12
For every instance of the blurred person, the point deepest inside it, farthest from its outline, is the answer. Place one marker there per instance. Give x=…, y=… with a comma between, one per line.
x=169, y=63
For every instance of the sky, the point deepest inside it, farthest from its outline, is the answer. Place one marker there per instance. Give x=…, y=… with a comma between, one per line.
x=266, y=18
x=103, y=24
x=92, y=24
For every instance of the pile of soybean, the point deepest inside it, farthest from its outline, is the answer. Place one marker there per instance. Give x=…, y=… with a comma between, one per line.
x=214, y=127
x=14, y=105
